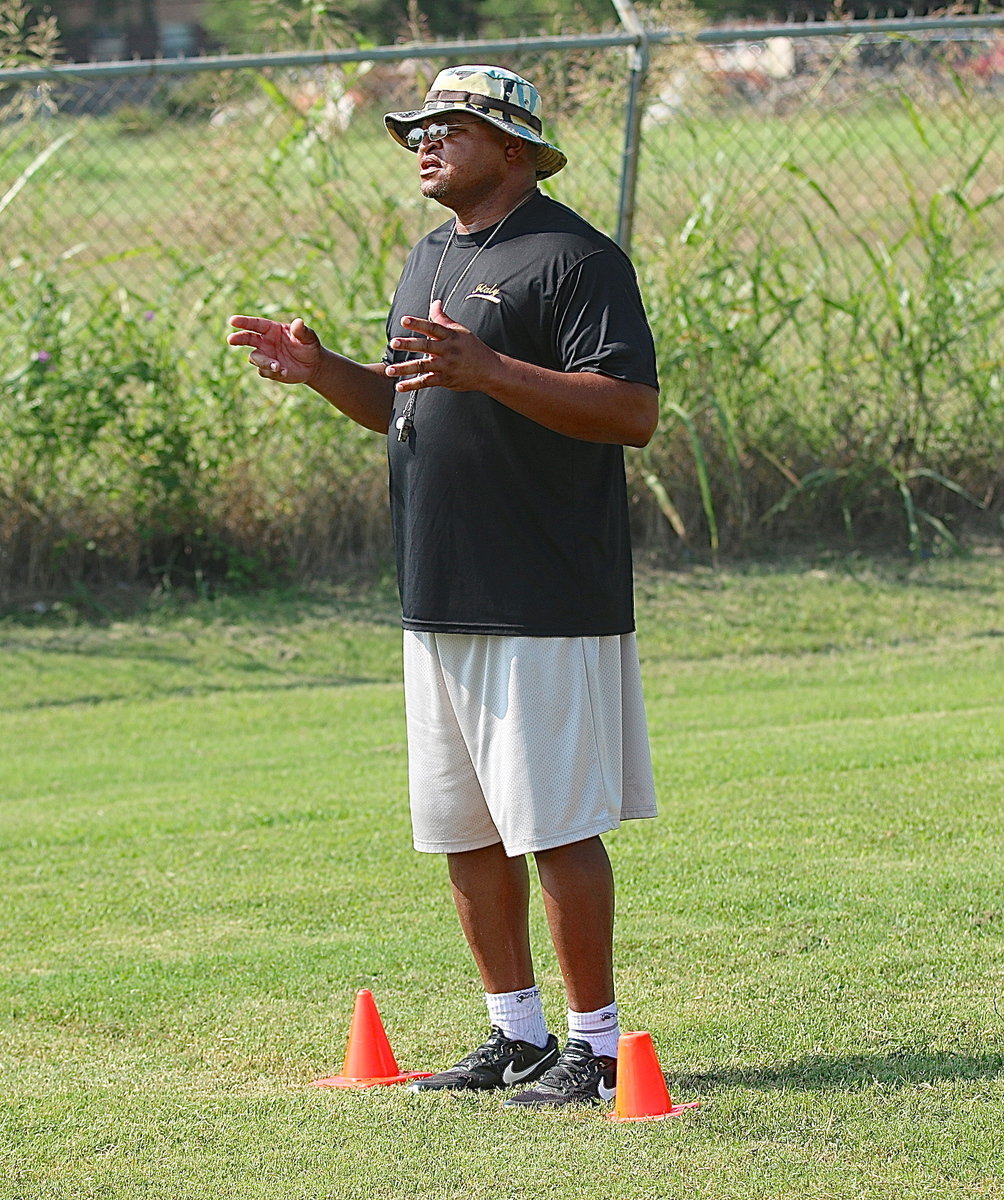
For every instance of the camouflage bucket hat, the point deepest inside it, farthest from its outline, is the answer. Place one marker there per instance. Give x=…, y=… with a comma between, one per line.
x=494, y=94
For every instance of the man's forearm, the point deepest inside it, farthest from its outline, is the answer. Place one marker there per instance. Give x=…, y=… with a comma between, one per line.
x=361, y=391
x=580, y=404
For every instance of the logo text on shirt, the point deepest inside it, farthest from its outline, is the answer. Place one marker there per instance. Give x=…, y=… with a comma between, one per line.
x=485, y=291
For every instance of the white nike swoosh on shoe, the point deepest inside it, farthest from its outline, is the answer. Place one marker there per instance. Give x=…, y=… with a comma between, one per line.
x=509, y=1076
x=604, y=1092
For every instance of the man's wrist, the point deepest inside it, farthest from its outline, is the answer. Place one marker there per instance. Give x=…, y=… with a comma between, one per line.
x=316, y=376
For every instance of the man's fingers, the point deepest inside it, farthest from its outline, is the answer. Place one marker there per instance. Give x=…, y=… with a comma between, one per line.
x=425, y=328
x=413, y=384
x=413, y=366
x=266, y=364
x=253, y=329
x=254, y=324
x=302, y=333
x=438, y=313
x=416, y=345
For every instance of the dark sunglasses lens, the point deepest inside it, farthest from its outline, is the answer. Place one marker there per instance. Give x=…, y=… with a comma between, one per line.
x=416, y=135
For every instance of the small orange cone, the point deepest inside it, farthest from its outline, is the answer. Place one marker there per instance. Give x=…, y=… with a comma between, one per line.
x=369, y=1060
x=642, y=1094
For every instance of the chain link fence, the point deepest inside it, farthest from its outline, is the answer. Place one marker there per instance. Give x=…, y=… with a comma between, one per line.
x=759, y=175
x=824, y=140
x=125, y=169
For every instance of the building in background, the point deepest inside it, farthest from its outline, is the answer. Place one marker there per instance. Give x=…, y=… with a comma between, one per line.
x=119, y=30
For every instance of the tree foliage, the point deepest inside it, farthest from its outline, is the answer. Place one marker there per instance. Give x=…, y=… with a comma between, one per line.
x=257, y=26
x=27, y=38
x=250, y=25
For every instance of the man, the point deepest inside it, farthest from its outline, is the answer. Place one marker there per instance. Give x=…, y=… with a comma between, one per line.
x=519, y=364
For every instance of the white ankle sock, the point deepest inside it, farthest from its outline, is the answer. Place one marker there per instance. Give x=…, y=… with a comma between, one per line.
x=600, y=1029
x=520, y=1015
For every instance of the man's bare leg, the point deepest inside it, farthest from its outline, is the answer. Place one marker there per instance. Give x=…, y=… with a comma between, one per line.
x=578, y=888
x=578, y=891
x=492, y=895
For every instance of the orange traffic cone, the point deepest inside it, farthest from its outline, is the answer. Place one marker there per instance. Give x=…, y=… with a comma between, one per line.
x=642, y=1094
x=369, y=1060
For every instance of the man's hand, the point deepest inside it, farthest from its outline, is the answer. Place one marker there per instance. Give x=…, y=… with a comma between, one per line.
x=286, y=353
x=450, y=356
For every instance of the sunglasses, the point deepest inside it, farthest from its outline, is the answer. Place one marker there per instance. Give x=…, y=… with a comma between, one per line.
x=433, y=133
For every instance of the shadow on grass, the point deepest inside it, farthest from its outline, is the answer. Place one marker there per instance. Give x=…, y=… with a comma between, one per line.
x=199, y=690
x=815, y=1072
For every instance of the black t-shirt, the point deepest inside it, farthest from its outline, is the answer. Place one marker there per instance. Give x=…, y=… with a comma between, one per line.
x=500, y=524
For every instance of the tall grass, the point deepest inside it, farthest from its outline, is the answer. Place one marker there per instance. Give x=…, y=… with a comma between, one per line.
x=849, y=386
x=843, y=384
x=139, y=451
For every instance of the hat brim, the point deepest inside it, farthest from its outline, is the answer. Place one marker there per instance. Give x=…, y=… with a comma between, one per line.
x=550, y=159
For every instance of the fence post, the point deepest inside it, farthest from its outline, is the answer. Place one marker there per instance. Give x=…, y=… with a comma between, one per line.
x=639, y=60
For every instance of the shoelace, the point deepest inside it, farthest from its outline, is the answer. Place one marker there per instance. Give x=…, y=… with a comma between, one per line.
x=572, y=1067
x=485, y=1053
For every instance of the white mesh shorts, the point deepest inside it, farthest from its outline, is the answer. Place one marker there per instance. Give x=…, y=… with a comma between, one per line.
x=531, y=742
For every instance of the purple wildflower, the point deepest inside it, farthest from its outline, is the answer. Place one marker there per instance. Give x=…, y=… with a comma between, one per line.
x=42, y=356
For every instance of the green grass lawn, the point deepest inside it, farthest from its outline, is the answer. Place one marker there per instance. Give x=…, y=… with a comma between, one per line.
x=204, y=849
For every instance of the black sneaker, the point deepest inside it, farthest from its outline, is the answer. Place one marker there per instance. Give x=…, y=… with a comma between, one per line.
x=578, y=1077
x=499, y=1063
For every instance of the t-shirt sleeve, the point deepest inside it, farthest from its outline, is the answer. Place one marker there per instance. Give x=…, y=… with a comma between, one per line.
x=600, y=323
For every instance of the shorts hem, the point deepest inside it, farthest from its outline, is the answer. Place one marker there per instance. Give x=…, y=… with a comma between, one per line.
x=596, y=830
x=424, y=847
x=640, y=814
x=535, y=845
x=566, y=838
